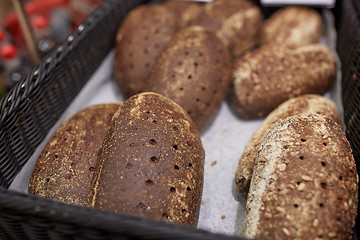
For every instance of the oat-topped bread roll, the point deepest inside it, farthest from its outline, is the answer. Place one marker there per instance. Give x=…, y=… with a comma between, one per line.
x=140, y=39
x=305, y=184
x=293, y=25
x=184, y=11
x=238, y=23
x=65, y=167
x=151, y=163
x=302, y=105
x=265, y=78
x=194, y=71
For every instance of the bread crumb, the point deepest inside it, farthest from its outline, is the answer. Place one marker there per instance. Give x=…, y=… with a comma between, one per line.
x=203, y=202
x=223, y=217
x=213, y=163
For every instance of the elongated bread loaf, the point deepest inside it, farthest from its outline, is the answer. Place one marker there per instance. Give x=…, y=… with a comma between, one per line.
x=293, y=25
x=140, y=39
x=65, y=167
x=151, y=163
x=302, y=105
x=269, y=76
x=305, y=184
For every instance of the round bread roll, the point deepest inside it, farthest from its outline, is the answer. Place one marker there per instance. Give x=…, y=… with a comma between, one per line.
x=265, y=78
x=294, y=26
x=141, y=38
x=302, y=105
x=238, y=23
x=151, y=163
x=194, y=71
x=305, y=184
x=66, y=166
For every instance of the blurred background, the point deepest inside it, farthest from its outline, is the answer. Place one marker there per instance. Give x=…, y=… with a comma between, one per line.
x=47, y=22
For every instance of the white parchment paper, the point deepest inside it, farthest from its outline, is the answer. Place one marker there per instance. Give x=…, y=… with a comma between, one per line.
x=222, y=208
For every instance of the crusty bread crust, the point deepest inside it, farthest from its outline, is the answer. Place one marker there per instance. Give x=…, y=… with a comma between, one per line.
x=302, y=105
x=265, y=78
x=140, y=39
x=194, y=71
x=305, y=184
x=151, y=163
x=238, y=23
x=293, y=25
x=65, y=167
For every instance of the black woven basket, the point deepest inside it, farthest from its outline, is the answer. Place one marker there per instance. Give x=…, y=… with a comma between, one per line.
x=348, y=48
x=30, y=110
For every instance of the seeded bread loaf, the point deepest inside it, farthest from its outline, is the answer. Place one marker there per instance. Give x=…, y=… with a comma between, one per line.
x=265, y=78
x=305, y=184
x=293, y=25
x=238, y=23
x=65, y=167
x=302, y=105
x=151, y=163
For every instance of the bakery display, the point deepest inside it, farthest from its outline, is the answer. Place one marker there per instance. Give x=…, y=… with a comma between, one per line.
x=194, y=71
x=66, y=165
x=302, y=105
x=151, y=162
x=176, y=77
x=304, y=184
x=265, y=78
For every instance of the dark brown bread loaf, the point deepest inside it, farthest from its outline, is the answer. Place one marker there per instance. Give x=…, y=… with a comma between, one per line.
x=293, y=25
x=141, y=38
x=151, y=163
x=194, y=71
x=238, y=23
x=65, y=167
x=302, y=105
x=305, y=184
x=265, y=78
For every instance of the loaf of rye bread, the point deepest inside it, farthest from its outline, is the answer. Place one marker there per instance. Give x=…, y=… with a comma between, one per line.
x=194, y=71
x=302, y=105
x=305, y=184
x=140, y=39
x=151, y=163
x=265, y=78
x=65, y=168
x=293, y=25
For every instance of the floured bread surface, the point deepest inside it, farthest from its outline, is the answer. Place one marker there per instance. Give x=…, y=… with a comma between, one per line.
x=139, y=41
x=238, y=23
x=65, y=167
x=151, y=163
x=293, y=25
x=305, y=184
x=265, y=78
x=302, y=105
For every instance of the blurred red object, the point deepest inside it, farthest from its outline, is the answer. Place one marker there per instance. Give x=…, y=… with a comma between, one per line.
x=41, y=7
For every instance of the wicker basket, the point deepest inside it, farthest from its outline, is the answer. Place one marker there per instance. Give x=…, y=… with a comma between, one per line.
x=30, y=110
